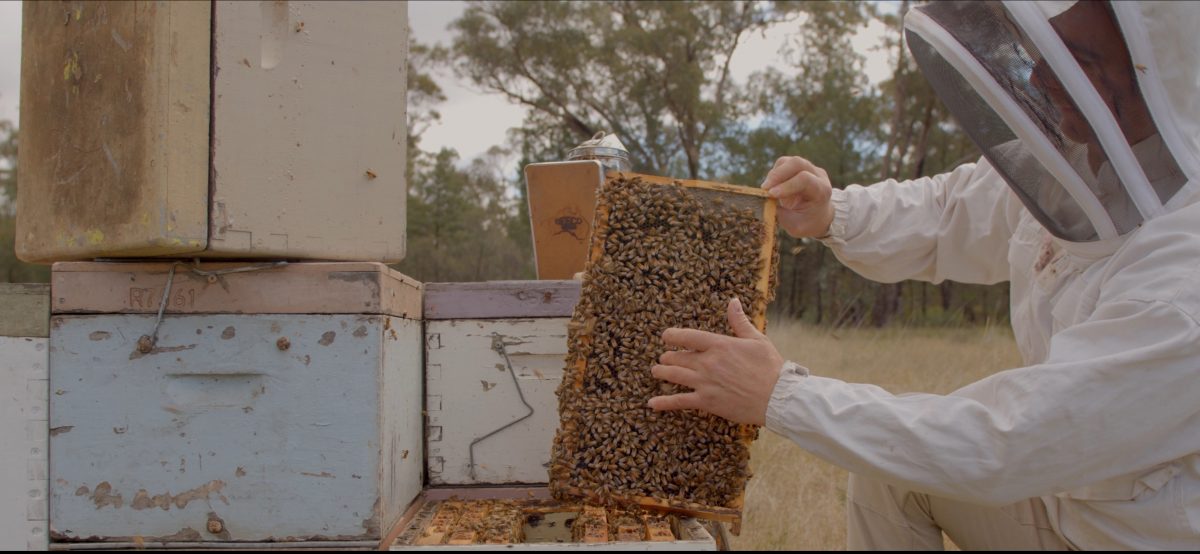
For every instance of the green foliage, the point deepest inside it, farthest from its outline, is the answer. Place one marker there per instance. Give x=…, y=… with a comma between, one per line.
x=458, y=223
x=654, y=73
x=658, y=75
x=12, y=270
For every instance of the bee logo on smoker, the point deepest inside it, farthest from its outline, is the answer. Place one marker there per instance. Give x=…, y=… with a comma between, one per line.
x=569, y=222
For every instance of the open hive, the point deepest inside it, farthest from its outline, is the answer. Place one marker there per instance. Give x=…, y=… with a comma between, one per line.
x=515, y=523
x=664, y=253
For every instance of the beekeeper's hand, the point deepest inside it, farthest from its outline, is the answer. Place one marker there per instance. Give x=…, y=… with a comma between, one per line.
x=731, y=377
x=803, y=191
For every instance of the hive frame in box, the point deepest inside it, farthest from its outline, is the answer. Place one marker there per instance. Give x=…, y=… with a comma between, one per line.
x=731, y=514
x=694, y=536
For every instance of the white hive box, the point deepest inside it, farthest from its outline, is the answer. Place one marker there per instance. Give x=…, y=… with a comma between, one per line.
x=473, y=332
x=213, y=129
x=24, y=317
x=278, y=405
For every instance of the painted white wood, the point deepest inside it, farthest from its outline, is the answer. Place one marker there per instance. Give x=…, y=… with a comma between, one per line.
x=309, y=130
x=295, y=109
x=23, y=436
x=219, y=423
x=470, y=393
x=400, y=412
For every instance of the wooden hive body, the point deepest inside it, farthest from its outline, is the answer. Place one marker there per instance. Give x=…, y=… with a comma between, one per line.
x=474, y=332
x=278, y=405
x=213, y=129
x=24, y=371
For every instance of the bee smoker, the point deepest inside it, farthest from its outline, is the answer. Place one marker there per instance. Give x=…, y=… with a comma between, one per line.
x=562, y=199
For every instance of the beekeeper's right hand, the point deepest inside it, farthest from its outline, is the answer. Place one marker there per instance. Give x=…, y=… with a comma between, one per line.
x=803, y=191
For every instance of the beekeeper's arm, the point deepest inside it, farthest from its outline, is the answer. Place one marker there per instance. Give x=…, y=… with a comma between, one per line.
x=952, y=226
x=1116, y=395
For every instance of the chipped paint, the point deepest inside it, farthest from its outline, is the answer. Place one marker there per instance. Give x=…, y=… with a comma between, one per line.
x=204, y=394
x=327, y=338
x=371, y=524
x=102, y=496
x=216, y=527
x=160, y=349
x=56, y=431
x=361, y=331
x=142, y=500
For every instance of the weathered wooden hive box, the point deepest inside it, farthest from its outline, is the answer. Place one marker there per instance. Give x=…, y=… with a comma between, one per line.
x=215, y=129
x=278, y=403
x=493, y=358
x=24, y=321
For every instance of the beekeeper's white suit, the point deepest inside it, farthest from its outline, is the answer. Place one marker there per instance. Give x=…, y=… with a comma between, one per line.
x=1095, y=443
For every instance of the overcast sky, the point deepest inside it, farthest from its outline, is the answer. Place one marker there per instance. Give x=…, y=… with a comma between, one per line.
x=472, y=121
x=10, y=58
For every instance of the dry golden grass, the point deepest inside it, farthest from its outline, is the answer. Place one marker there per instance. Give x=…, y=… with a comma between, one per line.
x=796, y=501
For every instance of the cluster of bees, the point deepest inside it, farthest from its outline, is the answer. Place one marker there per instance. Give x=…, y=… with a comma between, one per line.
x=670, y=257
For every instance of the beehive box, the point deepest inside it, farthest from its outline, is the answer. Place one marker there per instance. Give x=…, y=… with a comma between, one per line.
x=664, y=254
x=505, y=518
x=24, y=320
x=278, y=404
x=213, y=129
x=493, y=355
x=562, y=202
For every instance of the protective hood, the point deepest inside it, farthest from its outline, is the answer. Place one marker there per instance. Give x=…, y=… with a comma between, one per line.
x=1090, y=110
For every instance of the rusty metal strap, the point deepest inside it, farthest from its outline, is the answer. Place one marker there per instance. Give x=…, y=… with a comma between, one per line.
x=146, y=343
x=212, y=276
x=499, y=346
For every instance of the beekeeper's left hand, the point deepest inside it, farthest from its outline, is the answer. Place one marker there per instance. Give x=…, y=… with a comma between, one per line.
x=731, y=377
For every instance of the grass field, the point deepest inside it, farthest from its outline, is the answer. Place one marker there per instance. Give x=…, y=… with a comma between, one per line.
x=796, y=501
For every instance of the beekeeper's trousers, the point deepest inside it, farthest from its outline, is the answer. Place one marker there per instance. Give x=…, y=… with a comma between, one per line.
x=887, y=517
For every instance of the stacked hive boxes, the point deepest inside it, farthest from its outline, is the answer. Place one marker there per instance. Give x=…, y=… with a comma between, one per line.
x=23, y=373
x=196, y=402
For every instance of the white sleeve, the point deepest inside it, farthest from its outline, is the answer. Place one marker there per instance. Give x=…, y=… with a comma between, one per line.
x=952, y=226
x=1117, y=395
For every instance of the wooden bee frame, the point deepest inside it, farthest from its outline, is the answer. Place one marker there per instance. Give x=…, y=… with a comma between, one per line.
x=710, y=194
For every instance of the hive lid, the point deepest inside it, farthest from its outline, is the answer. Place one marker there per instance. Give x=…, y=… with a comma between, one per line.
x=500, y=299
x=24, y=309
x=234, y=288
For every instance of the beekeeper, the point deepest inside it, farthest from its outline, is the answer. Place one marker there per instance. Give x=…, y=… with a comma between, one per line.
x=1089, y=112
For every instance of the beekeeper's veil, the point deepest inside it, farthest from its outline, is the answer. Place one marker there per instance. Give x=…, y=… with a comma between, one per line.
x=1090, y=110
